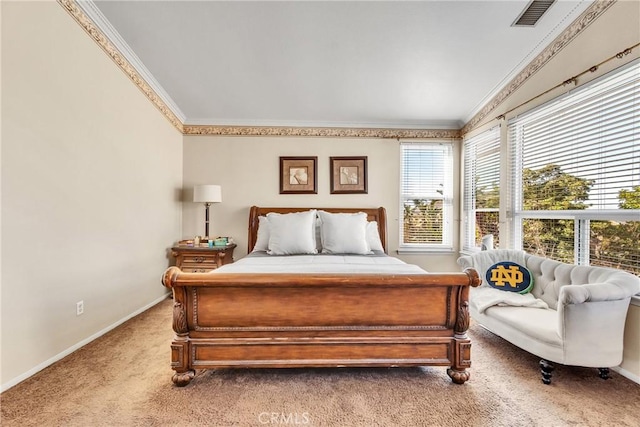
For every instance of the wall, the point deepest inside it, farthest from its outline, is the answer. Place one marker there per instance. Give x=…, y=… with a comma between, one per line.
x=631, y=356
x=248, y=170
x=91, y=173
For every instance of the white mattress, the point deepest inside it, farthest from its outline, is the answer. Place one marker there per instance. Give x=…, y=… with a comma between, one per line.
x=362, y=264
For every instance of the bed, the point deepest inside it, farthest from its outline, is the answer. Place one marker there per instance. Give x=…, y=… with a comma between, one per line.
x=272, y=310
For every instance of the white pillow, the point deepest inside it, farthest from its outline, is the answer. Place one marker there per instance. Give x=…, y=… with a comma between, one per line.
x=262, y=241
x=344, y=233
x=373, y=236
x=318, y=236
x=292, y=233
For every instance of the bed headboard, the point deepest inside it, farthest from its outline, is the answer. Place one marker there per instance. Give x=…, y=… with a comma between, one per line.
x=373, y=214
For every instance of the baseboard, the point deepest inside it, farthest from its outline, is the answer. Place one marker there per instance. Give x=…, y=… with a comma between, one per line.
x=633, y=377
x=77, y=346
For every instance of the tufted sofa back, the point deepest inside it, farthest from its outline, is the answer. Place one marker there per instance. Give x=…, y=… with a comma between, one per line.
x=549, y=276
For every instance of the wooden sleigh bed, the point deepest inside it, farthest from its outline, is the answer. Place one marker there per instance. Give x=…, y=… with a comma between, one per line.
x=283, y=320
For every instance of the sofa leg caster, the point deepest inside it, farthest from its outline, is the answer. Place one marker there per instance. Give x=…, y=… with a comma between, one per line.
x=604, y=373
x=546, y=368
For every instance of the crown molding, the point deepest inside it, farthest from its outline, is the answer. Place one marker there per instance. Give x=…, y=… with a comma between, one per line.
x=580, y=24
x=96, y=15
x=331, y=132
x=431, y=124
x=87, y=15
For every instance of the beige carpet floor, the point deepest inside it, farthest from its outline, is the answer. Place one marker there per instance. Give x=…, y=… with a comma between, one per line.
x=124, y=379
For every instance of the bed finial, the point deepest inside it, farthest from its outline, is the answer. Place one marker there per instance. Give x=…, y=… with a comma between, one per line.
x=169, y=276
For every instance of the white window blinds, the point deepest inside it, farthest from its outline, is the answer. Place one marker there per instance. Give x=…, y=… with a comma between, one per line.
x=581, y=150
x=426, y=195
x=481, y=201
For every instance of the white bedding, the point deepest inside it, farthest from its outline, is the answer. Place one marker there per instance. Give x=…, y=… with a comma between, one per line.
x=363, y=264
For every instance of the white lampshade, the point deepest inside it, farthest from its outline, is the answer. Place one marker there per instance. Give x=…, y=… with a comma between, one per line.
x=207, y=193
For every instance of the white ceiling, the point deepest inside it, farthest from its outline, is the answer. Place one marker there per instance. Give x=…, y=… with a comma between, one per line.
x=395, y=64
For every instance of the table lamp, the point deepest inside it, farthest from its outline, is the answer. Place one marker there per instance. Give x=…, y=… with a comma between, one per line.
x=207, y=194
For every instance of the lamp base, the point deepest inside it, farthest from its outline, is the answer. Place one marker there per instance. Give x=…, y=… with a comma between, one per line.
x=206, y=220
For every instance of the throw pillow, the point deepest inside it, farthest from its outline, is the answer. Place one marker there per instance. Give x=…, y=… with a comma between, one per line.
x=509, y=276
x=292, y=233
x=262, y=240
x=373, y=236
x=344, y=233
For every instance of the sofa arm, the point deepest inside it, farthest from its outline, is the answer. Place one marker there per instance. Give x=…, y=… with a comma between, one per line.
x=593, y=292
x=465, y=261
x=591, y=321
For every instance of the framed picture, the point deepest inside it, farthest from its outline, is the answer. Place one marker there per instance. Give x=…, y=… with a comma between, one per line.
x=348, y=175
x=298, y=175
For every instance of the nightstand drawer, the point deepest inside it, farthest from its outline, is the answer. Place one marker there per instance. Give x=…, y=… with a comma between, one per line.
x=201, y=260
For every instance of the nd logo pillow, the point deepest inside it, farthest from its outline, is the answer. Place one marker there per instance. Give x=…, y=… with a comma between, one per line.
x=509, y=276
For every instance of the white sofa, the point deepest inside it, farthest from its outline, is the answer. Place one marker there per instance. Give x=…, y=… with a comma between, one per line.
x=583, y=324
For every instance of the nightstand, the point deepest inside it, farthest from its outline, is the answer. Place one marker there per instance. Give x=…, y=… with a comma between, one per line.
x=200, y=259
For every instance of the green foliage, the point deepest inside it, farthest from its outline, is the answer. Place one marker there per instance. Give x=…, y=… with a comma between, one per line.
x=615, y=244
x=550, y=238
x=488, y=197
x=548, y=188
x=612, y=244
x=629, y=199
x=423, y=221
x=487, y=222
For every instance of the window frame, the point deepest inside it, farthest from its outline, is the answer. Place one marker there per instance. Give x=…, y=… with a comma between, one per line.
x=489, y=140
x=446, y=245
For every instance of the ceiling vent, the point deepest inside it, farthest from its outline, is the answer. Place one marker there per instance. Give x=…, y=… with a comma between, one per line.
x=532, y=13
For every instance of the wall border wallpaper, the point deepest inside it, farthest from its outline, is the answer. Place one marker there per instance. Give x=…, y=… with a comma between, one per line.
x=327, y=132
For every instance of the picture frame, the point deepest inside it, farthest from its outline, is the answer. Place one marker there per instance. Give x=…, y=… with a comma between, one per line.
x=348, y=175
x=298, y=175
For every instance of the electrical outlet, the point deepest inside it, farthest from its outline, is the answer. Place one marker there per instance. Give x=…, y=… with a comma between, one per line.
x=79, y=308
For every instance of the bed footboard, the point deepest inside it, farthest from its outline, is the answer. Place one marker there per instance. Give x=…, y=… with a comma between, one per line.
x=232, y=320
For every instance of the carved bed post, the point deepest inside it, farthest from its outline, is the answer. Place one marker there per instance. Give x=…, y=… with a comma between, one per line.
x=462, y=357
x=462, y=349
x=180, y=344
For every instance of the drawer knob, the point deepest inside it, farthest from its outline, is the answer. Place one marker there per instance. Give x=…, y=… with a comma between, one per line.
x=198, y=259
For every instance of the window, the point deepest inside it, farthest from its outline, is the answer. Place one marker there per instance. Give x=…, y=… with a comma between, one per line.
x=481, y=189
x=426, y=196
x=576, y=174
